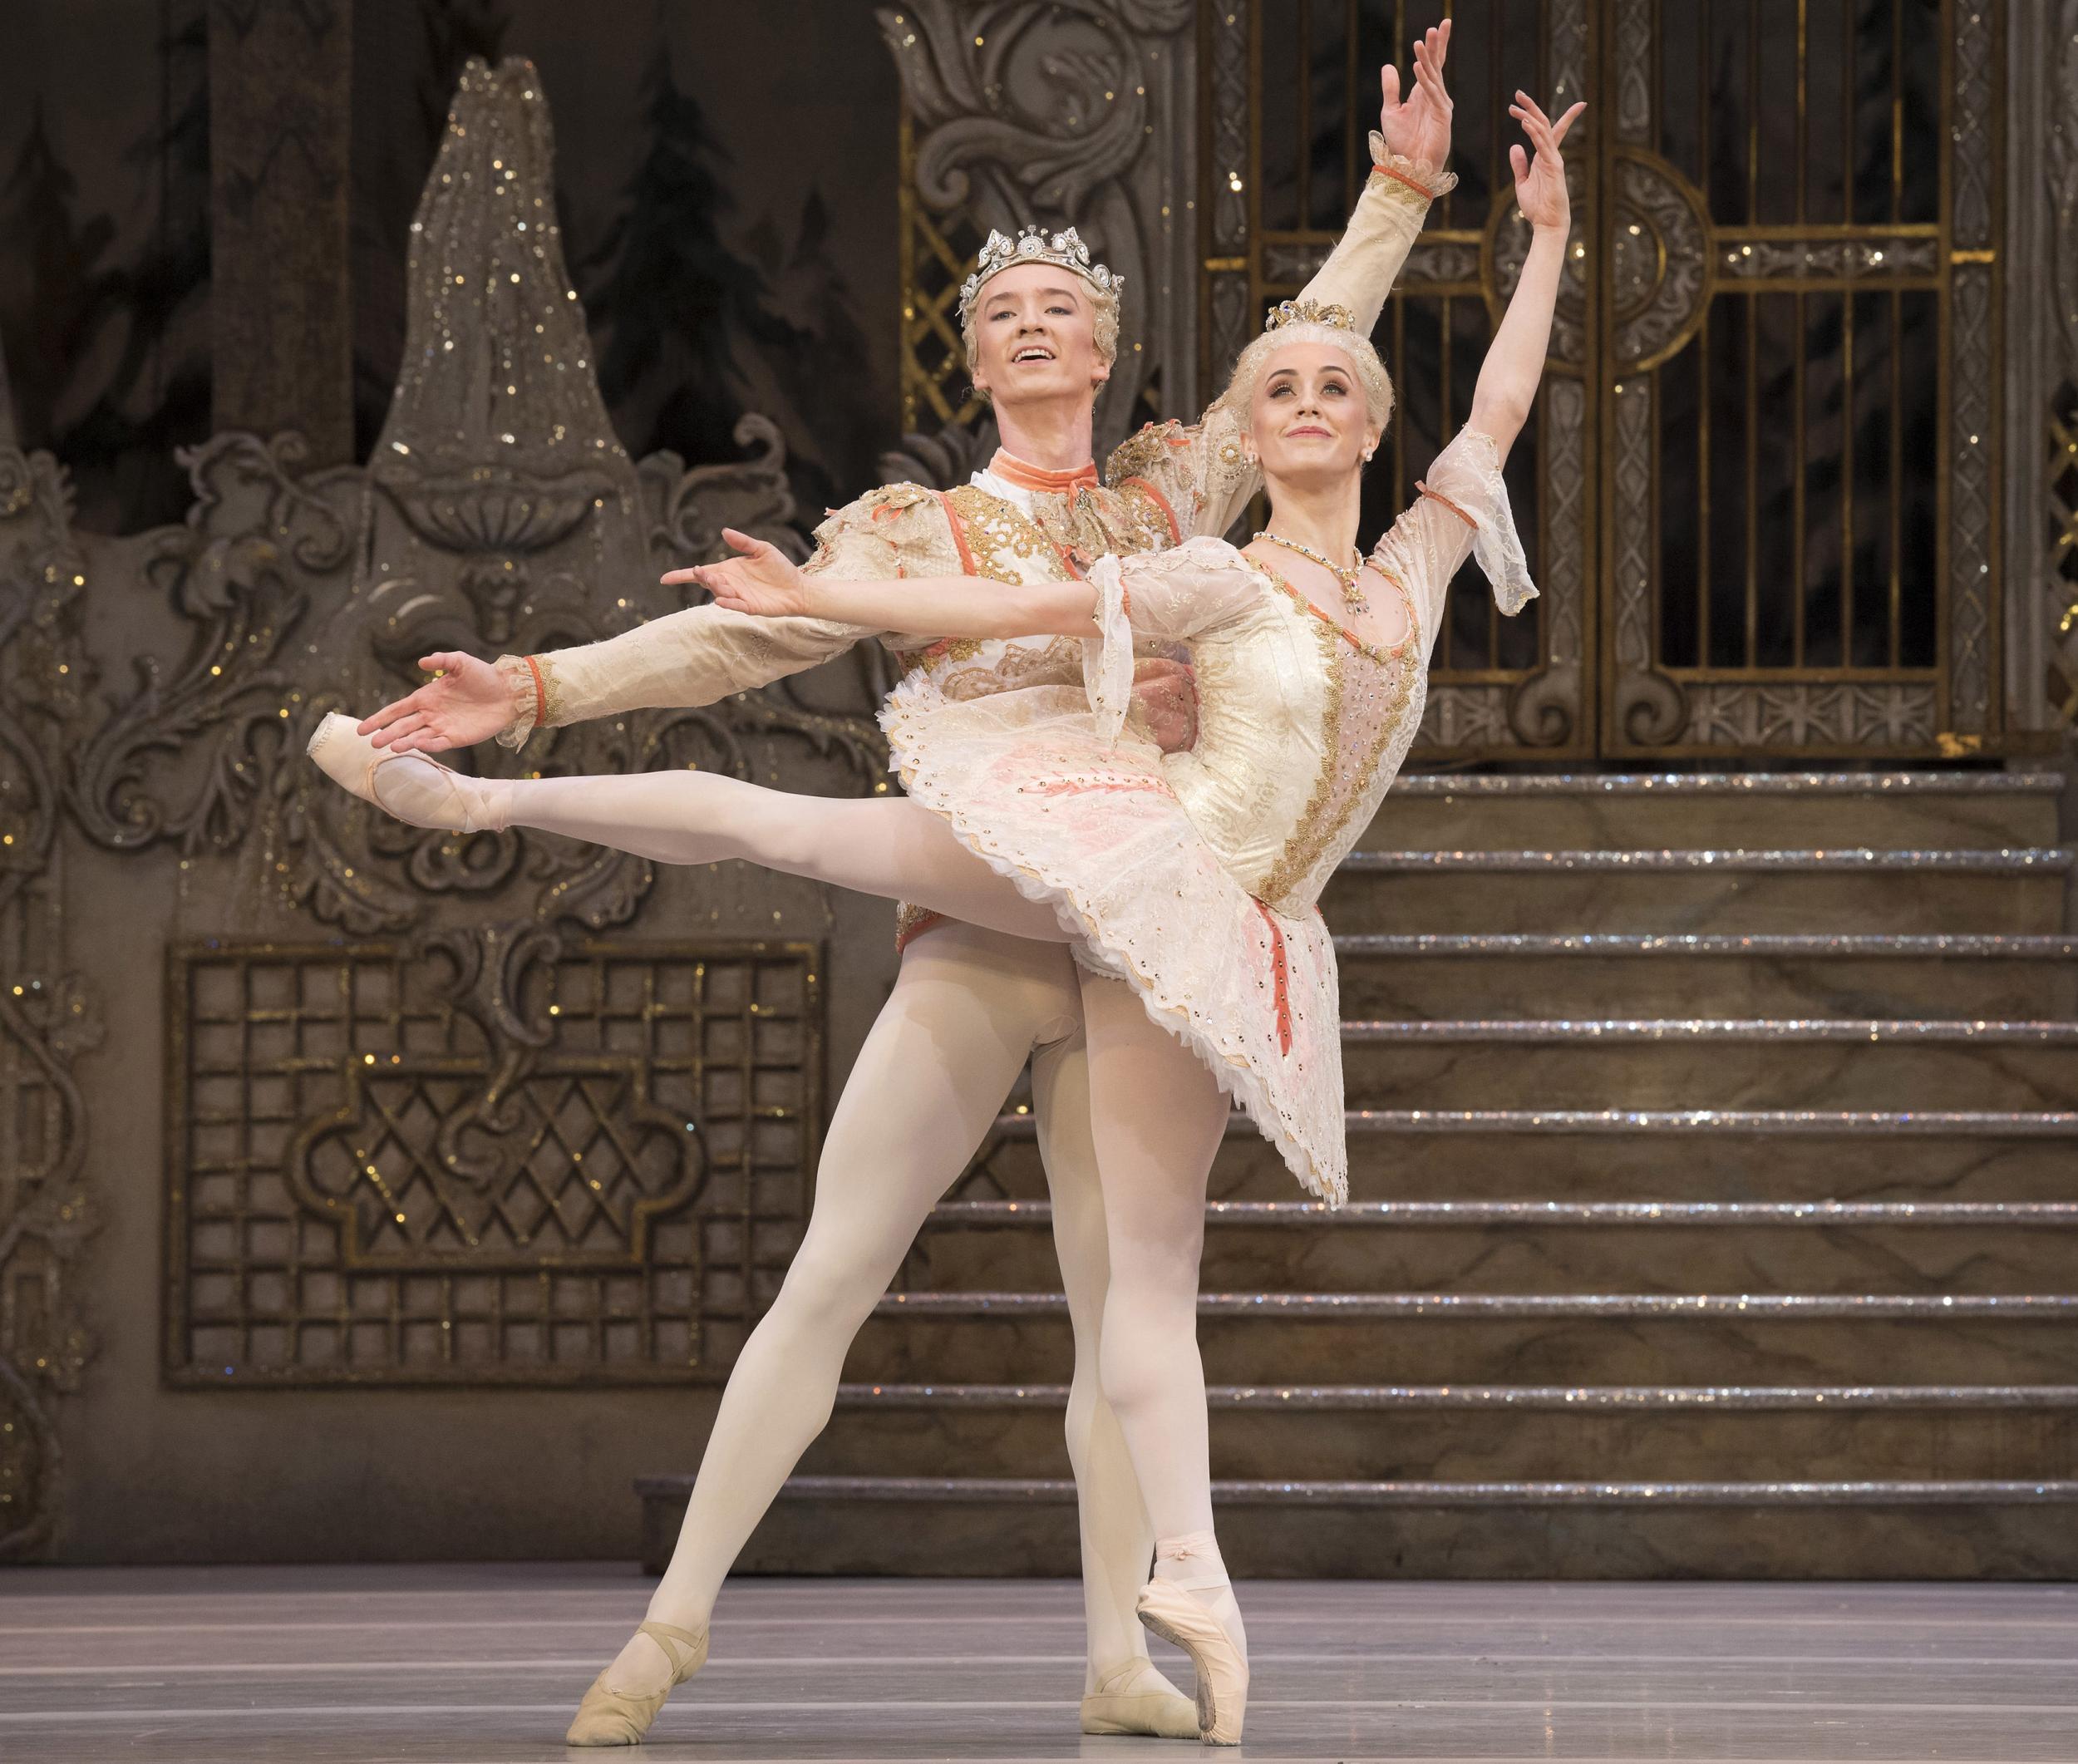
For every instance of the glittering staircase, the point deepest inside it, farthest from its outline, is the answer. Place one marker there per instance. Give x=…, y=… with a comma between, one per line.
x=1714, y=1210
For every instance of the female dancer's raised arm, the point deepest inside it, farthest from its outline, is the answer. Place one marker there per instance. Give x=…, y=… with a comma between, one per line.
x=1514, y=361
x=763, y=580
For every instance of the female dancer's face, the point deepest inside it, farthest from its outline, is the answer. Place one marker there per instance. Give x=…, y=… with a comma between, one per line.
x=1037, y=333
x=1307, y=419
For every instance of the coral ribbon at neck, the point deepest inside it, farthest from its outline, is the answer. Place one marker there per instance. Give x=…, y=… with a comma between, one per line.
x=1011, y=470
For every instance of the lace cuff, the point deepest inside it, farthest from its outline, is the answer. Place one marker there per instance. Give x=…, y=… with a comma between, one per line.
x=1107, y=659
x=1417, y=176
x=1481, y=502
x=527, y=681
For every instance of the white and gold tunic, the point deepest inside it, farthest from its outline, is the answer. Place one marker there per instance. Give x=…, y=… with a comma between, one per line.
x=1194, y=875
x=1166, y=484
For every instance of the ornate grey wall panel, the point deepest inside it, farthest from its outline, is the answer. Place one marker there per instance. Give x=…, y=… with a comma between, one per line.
x=466, y=1111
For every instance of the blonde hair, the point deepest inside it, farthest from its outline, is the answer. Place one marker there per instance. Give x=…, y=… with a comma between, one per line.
x=1254, y=362
x=1104, y=309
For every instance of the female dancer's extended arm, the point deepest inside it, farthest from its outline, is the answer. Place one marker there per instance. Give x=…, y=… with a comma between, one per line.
x=764, y=581
x=1515, y=360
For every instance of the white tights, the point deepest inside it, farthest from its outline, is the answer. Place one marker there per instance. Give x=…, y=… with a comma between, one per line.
x=1129, y=1119
x=886, y=845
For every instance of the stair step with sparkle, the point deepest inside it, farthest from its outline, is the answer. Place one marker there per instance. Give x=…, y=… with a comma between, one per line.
x=1436, y=1432
x=1613, y=810
x=1629, y=975
x=1532, y=1246
x=1600, y=1154
x=1446, y=1337
x=1863, y=889
x=1712, y=1062
x=1893, y=1528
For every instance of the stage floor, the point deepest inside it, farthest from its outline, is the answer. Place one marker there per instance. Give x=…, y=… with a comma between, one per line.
x=468, y=1665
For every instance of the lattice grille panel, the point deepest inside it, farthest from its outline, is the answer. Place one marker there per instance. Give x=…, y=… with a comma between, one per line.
x=374, y=1177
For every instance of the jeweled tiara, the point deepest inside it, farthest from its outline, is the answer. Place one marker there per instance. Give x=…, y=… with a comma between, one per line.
x=1309, y=313
x=1035, y=244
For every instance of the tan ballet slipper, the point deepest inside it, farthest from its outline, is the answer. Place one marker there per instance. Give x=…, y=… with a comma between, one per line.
x=1168, y=1609
x=611, y=1718
x=414, y=787
x=1135, y=1698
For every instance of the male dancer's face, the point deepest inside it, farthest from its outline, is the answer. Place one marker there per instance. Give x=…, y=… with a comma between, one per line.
x=1036, y=330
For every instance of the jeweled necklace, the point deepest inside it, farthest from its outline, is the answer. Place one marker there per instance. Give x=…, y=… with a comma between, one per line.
x=1346, y=579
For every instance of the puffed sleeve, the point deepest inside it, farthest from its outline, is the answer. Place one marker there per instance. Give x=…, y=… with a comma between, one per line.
x=700, y=654
x=1170, y=596
x=1368, y=258
x=1462, y=511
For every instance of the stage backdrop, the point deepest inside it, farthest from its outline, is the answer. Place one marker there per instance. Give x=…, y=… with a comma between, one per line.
x=372, y=1193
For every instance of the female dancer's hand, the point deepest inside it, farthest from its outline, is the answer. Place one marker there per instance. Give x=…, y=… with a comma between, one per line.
x=1420, y=129
x=468, y=703
x=1540, y=183
x=763, y=580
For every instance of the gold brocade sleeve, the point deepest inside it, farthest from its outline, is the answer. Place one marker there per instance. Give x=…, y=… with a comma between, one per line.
x=700, y=654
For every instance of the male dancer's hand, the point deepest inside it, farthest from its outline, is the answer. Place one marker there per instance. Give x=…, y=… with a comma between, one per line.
x=1420, y=129
x=468, y=703
x=763, y=581
x=1166, y=693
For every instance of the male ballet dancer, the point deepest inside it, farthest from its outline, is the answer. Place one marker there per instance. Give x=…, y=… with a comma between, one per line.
x=1040, y=322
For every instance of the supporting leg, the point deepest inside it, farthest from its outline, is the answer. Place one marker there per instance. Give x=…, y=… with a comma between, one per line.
x=1118, y=1541
x=927, y=1086
x=1157, y=1119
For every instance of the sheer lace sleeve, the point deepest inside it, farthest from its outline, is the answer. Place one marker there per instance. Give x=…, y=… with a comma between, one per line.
x=1170, y=596
x=1462, y=511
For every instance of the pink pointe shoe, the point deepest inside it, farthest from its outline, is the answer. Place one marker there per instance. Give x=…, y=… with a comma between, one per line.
x=414, y=787
x=1191, y=1606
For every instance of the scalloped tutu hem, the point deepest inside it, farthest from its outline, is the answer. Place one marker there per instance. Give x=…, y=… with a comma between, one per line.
x=948, y=791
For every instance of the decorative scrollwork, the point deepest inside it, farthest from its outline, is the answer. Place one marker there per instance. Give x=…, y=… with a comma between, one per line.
x=1789, y=716
x=2060, y=410
x=1649, y=709
x=48, y=1016
x=1031, y=112
x=237, y=573
x=691, y=508
x=1659, y=238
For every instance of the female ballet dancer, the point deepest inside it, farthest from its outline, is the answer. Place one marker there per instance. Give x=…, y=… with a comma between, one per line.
x=1185, y=883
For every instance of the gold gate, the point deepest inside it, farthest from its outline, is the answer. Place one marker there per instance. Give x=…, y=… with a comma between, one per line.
x=1761, y=493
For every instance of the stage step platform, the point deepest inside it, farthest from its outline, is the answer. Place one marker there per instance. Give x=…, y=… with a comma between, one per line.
x=1714, y=1211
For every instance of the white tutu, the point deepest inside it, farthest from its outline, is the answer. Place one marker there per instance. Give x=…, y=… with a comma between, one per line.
x=1093, y=829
